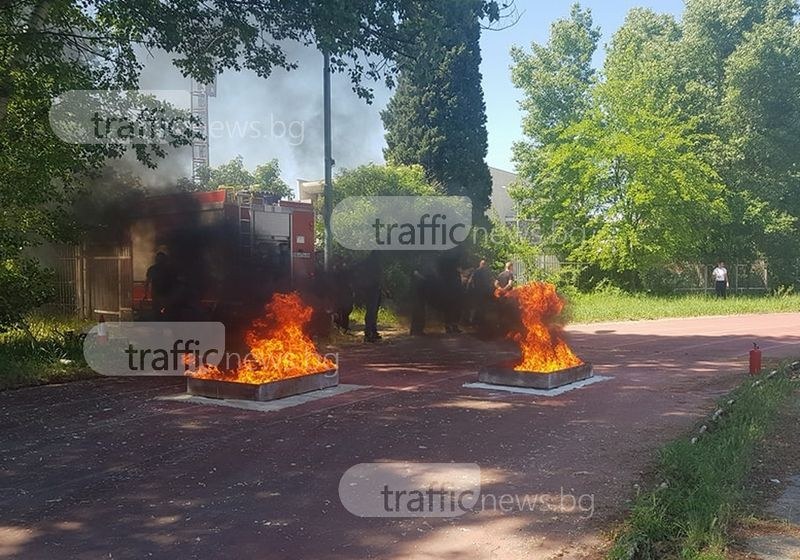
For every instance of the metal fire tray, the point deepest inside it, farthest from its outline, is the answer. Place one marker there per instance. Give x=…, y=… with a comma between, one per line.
x=217, y=389
x=504, y=374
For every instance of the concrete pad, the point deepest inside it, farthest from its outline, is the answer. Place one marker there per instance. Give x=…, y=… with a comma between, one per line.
x=775, y=547
x=268, y=406
x=539, y=392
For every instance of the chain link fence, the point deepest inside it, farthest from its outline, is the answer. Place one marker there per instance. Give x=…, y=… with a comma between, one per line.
x=744, y=278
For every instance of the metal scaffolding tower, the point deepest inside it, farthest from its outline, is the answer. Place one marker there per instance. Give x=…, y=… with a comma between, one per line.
x=200, y=94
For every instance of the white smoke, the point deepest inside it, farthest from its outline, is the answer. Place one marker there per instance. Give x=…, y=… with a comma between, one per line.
x=277, y=117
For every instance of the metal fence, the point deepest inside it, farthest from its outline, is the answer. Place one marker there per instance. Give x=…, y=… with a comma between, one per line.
x=683, y=278
x=110, y=281
x=93, y=280
x=69, y=275
x=744, y=278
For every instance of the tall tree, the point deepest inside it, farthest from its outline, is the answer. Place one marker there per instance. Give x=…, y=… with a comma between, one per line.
x=556, y=78
x=626, y=172
x=556, y=81
x=437, y=117
x=268, y=180
x=740, y=79
x=693, y=122
x=762, y=117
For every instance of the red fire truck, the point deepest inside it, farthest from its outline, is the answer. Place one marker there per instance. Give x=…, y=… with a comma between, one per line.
x=223, y=247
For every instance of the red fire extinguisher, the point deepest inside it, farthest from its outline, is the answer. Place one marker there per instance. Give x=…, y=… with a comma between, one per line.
x=755, y=360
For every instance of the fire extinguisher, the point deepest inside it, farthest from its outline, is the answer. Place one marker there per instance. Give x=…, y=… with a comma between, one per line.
x=755, y=360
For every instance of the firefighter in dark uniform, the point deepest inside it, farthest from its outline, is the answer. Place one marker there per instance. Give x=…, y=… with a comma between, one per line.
x=370, y=280
x=159, y=285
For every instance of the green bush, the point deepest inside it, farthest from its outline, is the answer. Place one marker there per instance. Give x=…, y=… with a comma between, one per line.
x=659, y=281
x=47, y=349
x=24, y=286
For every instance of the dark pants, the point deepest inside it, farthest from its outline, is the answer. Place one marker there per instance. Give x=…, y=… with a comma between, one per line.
x=418, y=310
x=371, y=305
x=452, y=311
x=481, y=303
x=341, y=317
x=721, y=287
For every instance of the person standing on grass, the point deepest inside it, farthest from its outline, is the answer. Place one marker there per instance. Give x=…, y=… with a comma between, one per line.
x=721, y=283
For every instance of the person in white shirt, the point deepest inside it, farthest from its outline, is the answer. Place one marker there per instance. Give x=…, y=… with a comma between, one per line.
x=721, y=283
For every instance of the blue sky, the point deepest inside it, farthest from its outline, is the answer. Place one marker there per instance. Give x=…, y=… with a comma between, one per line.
x=502, y=110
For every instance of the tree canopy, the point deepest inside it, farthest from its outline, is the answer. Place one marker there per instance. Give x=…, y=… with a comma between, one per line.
x=265, y=178
x=684, y=147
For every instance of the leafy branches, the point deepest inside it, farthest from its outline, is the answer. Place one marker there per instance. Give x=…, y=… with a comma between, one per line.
x=266, y=178
x=685, y=148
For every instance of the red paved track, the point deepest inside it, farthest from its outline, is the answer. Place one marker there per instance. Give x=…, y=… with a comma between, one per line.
x=99, y=469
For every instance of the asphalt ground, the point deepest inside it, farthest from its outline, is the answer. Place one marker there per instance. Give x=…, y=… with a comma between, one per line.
x=105, y=469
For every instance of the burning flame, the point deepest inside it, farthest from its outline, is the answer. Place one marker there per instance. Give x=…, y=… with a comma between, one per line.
x=543, y=347
x=279, y=347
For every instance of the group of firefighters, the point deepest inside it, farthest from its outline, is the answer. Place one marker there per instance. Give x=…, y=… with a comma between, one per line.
x=442, y=287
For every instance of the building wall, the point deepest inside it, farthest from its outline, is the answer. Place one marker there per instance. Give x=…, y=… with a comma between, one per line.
x=502, y=205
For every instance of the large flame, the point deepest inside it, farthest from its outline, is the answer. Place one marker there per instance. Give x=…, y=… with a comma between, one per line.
x=543, y=347
x=279, y=347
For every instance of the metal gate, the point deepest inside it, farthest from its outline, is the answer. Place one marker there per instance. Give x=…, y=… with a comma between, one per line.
x=109, y=273
x=94, y=280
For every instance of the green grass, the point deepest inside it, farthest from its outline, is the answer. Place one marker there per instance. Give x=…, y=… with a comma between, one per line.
x=614, y=306
x=386, y=317
x=689, y=517
x=591, y=308
x=52, y=357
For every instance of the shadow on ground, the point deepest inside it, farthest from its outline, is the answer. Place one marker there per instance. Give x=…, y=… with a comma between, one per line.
x=102, y=469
